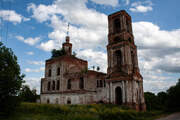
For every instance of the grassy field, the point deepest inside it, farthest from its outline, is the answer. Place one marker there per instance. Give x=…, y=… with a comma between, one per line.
x=34, y=111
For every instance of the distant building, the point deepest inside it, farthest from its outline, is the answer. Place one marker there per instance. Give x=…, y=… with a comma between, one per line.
x=67, y=80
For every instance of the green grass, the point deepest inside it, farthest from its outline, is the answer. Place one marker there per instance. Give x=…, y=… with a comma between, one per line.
x=34, y=111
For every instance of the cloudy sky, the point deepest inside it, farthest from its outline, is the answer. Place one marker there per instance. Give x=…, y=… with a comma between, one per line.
x=32, y=28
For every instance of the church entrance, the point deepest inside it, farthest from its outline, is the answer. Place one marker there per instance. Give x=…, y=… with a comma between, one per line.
x=118, y=95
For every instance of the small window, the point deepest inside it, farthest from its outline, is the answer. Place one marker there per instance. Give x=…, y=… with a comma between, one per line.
x=69, y=84
x=58, y=71
x=101, y=83
x=57, y=87
x=49, y=73
x=81, y=83
x=53, y=86
x=47, y=101
x=56, y=100
x=49, y=86
x=97, y=84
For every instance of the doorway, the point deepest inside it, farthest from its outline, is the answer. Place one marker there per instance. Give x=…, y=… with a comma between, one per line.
x=118, y=95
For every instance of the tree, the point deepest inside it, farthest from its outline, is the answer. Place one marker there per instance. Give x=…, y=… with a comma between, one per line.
x=57, y=53
x=162, y=99
x=151, y=101
x=173, y=94
x=10, y=79
x=74, y=54
x=28, y=95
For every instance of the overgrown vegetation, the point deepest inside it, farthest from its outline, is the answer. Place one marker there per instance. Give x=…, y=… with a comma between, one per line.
x=34, y=111
x=28, y=95
x=56, y=53
x=166, y=101
x=10, y=80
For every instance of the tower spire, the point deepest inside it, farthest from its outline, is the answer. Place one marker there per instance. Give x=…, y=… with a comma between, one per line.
x=67, y=46
x=67, y=34
x=68, y=29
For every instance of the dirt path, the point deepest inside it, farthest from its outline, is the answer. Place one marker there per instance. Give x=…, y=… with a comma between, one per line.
x=175, y=116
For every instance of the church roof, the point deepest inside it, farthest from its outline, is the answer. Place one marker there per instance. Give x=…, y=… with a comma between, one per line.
x=66, y=58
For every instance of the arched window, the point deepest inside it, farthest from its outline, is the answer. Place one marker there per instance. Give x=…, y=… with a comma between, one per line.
x=69, y=84
x=57, y=85
x=53, y=86
x=117, y=39
x=69, y=50
x=132, y=57
x=97, y=83
x=49, y=73
x=81, y=83
x=118, y=57
x=49, y=86
x=104, y=83
x=56, y=100
x=117, y=25
x=101, y=83
x=128, y=26
x=47, y=101
x=58, y=71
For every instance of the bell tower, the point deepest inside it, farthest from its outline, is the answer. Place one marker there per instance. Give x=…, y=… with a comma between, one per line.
x=67, y=46
x=125, y=80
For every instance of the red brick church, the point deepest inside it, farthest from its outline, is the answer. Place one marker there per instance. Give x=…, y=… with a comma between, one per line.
x=68, y=81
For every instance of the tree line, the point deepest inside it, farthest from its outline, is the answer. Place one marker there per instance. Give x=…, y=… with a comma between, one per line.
x=166, y=101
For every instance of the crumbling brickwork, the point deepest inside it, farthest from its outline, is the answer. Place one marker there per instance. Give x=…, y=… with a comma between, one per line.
x=67, y=80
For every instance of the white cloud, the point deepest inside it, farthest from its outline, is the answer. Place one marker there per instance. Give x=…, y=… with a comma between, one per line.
x=36, y=62
x=127, y=2
x=94, y=58
x=148, y=34
x=12, y=16
x=141, y=6
x=48, y=46
x=42, y=12
x=107, y=2
x=30, y=53
x=33, y=82
x=84, y=22
x=30, y=40
x=34, y=70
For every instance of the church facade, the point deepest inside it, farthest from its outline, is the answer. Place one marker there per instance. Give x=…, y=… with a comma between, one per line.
x=68, y=81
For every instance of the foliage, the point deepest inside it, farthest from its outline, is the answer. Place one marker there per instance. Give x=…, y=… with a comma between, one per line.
x=28, y=95
x=35, y=111
x=173, y=95
x=56, y=53
x=74, y=54
x=85, y=70
x=10, y=79
x=151, y=101
x=168, y=101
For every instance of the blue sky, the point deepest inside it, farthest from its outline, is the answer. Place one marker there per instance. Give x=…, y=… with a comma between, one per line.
x=32, y=28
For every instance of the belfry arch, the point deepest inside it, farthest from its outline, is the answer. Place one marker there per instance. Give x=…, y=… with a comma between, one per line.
x=118, y=58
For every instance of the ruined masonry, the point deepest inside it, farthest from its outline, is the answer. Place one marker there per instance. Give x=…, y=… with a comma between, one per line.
x=68, y=81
